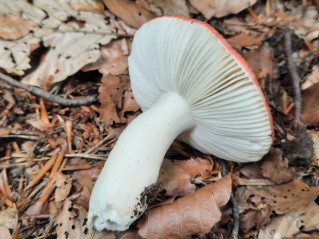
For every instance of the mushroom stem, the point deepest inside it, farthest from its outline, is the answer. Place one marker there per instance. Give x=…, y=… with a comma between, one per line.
x=135, y=161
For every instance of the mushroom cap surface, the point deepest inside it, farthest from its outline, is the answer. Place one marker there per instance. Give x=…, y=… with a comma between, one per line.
x=184, y=55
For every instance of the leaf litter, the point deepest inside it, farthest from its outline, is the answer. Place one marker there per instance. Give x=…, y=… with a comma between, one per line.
x=51, y=154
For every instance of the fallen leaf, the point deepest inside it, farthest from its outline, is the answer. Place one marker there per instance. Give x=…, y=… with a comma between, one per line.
x=71, y=223
x=9, y=218
x=176, y=175
x=113, y=107
x=275, y=168
x=312, y=78
x=63, y=184
x=132, y=14
x=113, y=59
x=192, y=214
x=5, y=192
x=310, y=108
x=284, y=198
x=254, y=219
x=244, y=40
x=291, y=224
x=165, y=7
x=220, y=8
x=5, y=233
x=262, y=62
x=72, y=38
x=14, y=27
x=315, y=138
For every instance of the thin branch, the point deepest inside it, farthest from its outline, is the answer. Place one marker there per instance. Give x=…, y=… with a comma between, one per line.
x=234, y=208
x=46, y=95
x=294, y=76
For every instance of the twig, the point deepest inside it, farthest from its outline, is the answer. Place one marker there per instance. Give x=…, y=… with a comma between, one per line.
x=235, y=210
x=46, y=95
x=294, y=75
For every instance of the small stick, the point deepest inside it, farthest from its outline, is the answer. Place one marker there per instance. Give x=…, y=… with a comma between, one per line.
x=294, y=75
x=235, y=210
x=46, y=95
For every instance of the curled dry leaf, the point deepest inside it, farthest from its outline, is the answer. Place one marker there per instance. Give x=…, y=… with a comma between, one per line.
x=72, y=37
x=220, y=8
x=116, y=98
x=5, y=192
x=177, y=175
x=113, y=59
x=131, y=13
x=194, y=213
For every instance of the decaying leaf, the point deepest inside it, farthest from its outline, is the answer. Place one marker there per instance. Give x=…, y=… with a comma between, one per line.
x=14, y=27
x=71, y=223
x=220, y=8
x=63, y=184
x=310, y=107
x=291, y=224
x=165, y=7
x=177, y=175
x=275, y=168
x=244, y=40
x=9, y=218
x=312, y=78
x=116, y=98
x=72, y=37
x=288, y=197
x=113, y=59
x=194, y=213
x=131, y=13
x=262, y=62
x=5, y=192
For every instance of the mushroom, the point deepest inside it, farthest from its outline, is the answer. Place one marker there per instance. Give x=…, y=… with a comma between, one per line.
x=192, y=85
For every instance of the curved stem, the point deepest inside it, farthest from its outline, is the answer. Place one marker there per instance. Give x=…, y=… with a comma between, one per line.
x=135, y=161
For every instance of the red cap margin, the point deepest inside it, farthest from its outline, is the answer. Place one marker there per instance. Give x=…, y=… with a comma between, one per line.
x=238, y=57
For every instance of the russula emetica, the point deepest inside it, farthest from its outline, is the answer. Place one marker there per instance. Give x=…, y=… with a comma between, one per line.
x=192, y=85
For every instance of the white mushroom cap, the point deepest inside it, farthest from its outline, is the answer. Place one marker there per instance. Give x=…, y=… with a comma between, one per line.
x=183, y=55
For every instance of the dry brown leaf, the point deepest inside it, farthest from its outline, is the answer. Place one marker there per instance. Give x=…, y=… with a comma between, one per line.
x=40, y=124
x=312, y=78
x=288, y=197
x=177, y=175
x=63, y=184
x=310, y=107
x=87, y=5
x=72, y=37
x=244, y=40
x=275, y=168
x=194, y=213
x=254, y=219
x=292, y=223
x=113, y=59
x=131, y=235
x=165, y=7
x=71, y=223
x=14, y=27
x=220, y=8
x=262, y=62
x=131, y=13
x=113, y=105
